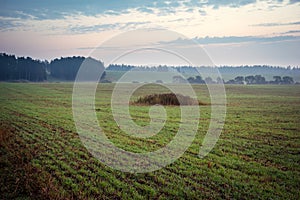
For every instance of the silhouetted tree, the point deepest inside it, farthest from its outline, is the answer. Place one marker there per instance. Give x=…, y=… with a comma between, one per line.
x=239, y=80
x=287, y=80
x=12, y=68
x=199, y=80
x=191, y=80
x=250, y=79
x=231, y=81
x=67, y=68
x=259, y=79
x=209, y=80
x=277, y=79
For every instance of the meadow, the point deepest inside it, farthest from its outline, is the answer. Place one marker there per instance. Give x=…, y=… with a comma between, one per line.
x=256, y=157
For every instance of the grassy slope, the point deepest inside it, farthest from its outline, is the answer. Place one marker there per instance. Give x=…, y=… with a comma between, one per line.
x=257, y=155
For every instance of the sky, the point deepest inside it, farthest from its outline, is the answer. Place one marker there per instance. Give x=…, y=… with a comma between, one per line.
x=242, y=32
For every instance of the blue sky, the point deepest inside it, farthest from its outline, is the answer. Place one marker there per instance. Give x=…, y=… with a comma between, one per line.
x=232, y=32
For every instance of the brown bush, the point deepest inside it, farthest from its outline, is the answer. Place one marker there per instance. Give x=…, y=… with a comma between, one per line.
x=168, y=99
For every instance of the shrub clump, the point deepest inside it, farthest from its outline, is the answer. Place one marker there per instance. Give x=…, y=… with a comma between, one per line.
x=167, y=99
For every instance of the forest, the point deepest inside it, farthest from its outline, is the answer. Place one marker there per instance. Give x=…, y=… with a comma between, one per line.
x=12, y=68
x=23, y=69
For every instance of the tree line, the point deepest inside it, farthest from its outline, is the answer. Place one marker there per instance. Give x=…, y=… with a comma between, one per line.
x=258, y=79
x=272, y=72
x=249, y=80
x=241, y=70
x=65, y=69
x=14, y=68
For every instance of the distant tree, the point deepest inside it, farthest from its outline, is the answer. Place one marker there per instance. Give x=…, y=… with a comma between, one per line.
x=199, y=80
x=191, y=80
x=8, y=65
x=287, y=80
x=117, y=67
x=277, y=79
x=231, y=81
x=239, y=80
x=12, y=68
x=158, y=81
x=250, y=79
x=260, y=79
x=196, y=80
x=67, y=68
x=209, y=80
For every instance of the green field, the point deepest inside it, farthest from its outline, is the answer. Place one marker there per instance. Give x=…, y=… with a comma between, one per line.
x=256, y=157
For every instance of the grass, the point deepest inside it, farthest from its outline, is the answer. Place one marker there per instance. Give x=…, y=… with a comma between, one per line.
x=256, y=157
